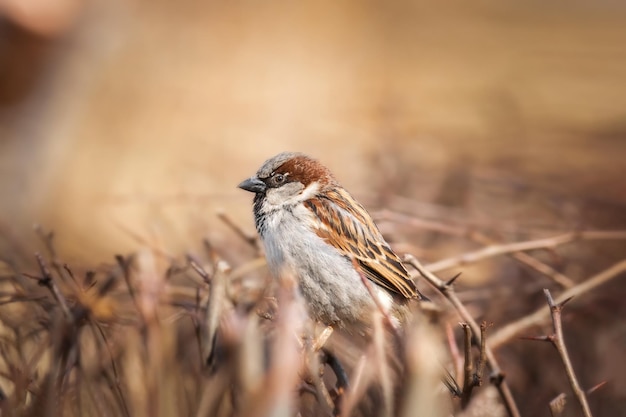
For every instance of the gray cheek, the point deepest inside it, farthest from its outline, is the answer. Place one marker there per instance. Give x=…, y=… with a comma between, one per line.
x=280, y=196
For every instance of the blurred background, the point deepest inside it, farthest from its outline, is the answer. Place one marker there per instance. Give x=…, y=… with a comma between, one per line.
x=119, y=115
x=129, y=121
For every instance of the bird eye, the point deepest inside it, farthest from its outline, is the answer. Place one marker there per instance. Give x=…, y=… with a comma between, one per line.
x=279, y=179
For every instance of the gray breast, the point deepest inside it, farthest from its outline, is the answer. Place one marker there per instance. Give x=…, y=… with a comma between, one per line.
x=329, y=284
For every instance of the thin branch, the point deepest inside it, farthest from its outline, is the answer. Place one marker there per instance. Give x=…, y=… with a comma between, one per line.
x=251, y=240
x=497, y=376
x=454, y=352
x=547, y=243
x=482, y=360
x=48, y=241
x=200, y=271
x=558, y=341
x=114, y=382
x=48, y=281
x=124, y=264
x=468, y=368
x=511, y=330
x=596, y=387
x=531, y=262
x=473, y=374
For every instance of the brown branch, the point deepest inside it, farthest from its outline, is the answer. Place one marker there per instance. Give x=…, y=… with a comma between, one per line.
x=596, y=387
x=48, y=281
x=252, y=240
x=48, y=241
x=472, y=375
x=199, y=270
x=547, y=243
x=454, y=352
x=468, y=369
x=447, y=290
x=529, y=261
x=482, y=360
x=557, y=339
x=513, y=329
x=417, y=222
x=124, y=264
x=544, y=269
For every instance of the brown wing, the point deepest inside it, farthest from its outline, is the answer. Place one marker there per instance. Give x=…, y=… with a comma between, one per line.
x=348, y=227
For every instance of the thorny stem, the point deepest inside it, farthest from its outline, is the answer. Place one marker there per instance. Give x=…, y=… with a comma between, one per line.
x=497, y=376
x=559, y=343
x=509, y=331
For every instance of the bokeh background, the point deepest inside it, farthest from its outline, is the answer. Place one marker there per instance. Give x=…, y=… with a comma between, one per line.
x=128, y=121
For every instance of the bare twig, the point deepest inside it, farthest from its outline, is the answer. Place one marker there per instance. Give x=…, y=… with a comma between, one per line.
x=454, y=352
x=482, y=360
x=530, y=262
x=557, y=339
x=596, y=387
x=472, y=375
x=557, y=404
x=156, y=250
x=48, y=241
x=196, y=267
x=497, y=376
x=48, y=281
x=511, y=330
x=124, y=264
x=252, y=240
x=115, y=380
x=421, y=223
x=468, y=369
x=547, y=243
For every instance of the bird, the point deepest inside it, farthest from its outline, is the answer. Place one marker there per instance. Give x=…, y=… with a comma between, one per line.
x=312, y=227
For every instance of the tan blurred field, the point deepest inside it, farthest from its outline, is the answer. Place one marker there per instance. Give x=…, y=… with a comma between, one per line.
x=132, y=123
x=147, y=115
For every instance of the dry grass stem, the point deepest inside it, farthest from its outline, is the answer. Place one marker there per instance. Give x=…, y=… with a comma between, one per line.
x=187, y=335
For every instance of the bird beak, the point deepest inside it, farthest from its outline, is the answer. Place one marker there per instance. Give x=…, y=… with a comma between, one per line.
x=254, y=185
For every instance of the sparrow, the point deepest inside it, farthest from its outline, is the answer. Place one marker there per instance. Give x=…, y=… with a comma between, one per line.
x=313, y=228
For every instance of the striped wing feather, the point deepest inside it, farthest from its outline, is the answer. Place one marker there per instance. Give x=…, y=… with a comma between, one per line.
x=346, y=225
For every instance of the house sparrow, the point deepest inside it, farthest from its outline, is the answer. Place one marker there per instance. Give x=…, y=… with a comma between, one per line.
x=312, y=227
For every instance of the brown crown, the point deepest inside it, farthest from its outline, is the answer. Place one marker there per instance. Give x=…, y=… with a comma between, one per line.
x=306, y=170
